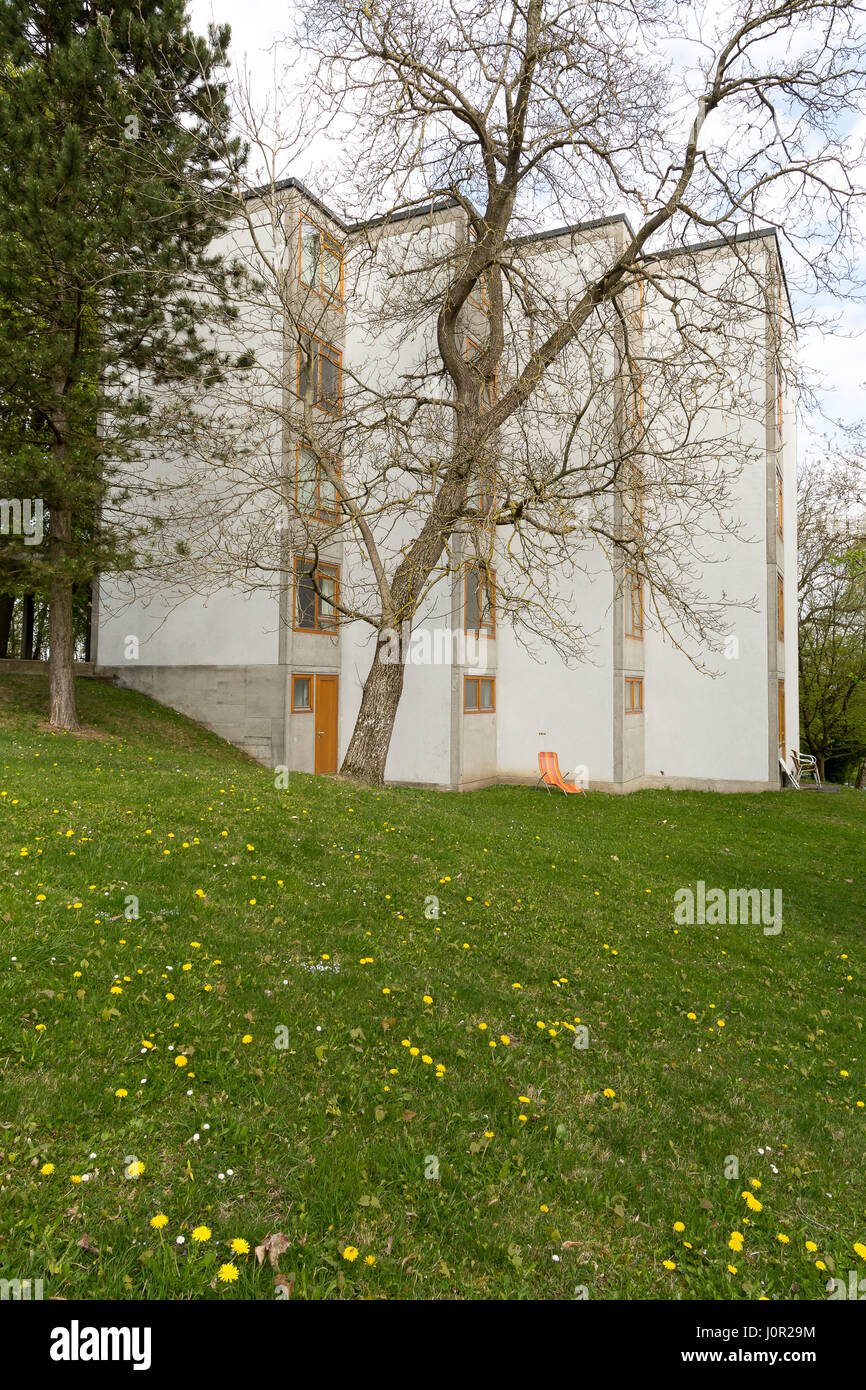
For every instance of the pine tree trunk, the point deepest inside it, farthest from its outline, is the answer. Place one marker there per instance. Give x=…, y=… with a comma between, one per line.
x=63, y=713
x=7, y=607
x=371, y=738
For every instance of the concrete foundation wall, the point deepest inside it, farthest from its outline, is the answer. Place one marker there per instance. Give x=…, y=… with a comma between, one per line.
x=246, y=705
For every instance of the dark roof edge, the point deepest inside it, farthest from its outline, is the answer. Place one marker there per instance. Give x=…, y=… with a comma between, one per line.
x=282, y=185
x=715, y=244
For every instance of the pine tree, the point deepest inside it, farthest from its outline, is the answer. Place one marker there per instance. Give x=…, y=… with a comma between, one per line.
x=114, y=141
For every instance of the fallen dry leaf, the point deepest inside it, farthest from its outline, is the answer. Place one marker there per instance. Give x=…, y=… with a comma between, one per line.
x=273, y=1246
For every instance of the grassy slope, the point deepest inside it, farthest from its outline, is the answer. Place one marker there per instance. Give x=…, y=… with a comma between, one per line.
x=552, y=911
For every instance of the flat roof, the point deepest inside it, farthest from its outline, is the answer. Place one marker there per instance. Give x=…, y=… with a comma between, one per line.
x=428, y=209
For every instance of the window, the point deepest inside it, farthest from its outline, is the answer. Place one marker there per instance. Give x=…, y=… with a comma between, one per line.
x=315, y=494
x=782, y=739
x=633, y=605
x=486, y=484
x=634, y=398
x=632, y=501
x=320, y=263
x=478, y=297
x=636, y=311
x=302, y=694
x=479, y=694
x=320, y=367
x=488, y=388
x=779, y=503
x=479, y=599
x=778, y=404
x=634, y=695
x=315, y=613
x=780, y=607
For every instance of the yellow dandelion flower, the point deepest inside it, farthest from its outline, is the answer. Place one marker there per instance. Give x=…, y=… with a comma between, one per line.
x=227, y=1274
x=46, y=1169
x=201, y=1234
x=350, y=1253
x=158, y=1221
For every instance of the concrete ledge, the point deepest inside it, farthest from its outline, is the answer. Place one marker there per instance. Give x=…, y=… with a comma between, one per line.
x=12, y=666
x=638, y=784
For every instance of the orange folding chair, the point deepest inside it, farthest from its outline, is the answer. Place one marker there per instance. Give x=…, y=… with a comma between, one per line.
x=548, y=766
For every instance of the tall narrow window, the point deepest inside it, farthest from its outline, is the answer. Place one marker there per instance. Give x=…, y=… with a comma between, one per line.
x=479, y=694
x=315, y=612
x=634, y=695
x=634, y=398
x=632, y=501
x=780, y=510
x=782, y=736
x=779, y=404
x=320, y=370
x=633, y=605
x=780, y=607
x=486, y=484
x=480, y=599
x=488, y=389
x=320, y=260
x=315, y=494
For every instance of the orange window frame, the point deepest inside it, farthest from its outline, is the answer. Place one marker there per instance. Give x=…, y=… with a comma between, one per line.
x=780, y=607
x=303, y=709
x=323, y=623
x=326, y=242
x=333, y=355
x=780, y=500
x=478, y=708
x=488, y=388
x=633, y=595
x=487, y=579
x=320, y=512
x=634, y=694
x=782, y=733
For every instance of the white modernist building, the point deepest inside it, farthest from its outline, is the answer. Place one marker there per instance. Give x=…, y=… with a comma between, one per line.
x=268, y=666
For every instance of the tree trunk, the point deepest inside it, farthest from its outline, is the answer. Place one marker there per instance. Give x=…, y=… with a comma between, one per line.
x=27, y=620
x=7, y=608
x=371, y=738
x=860, y=782
x=63, y=713
x=819, y=758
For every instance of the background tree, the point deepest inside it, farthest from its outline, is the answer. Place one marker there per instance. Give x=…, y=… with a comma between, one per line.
x=831, y=507
x=110, y=114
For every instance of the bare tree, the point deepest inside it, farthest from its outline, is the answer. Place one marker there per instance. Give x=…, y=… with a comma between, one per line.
x=831, y=505
x=529, y=404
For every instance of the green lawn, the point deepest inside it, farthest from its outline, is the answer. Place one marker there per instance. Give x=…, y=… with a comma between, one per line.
x=283, y=952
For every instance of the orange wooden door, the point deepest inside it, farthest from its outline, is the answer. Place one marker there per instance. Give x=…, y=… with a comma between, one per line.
x=326, y=723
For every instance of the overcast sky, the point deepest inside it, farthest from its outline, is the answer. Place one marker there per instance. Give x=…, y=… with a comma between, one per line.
x=838, y=360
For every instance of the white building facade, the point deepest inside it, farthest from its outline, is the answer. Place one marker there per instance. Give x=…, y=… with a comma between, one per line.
x=269, y=667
